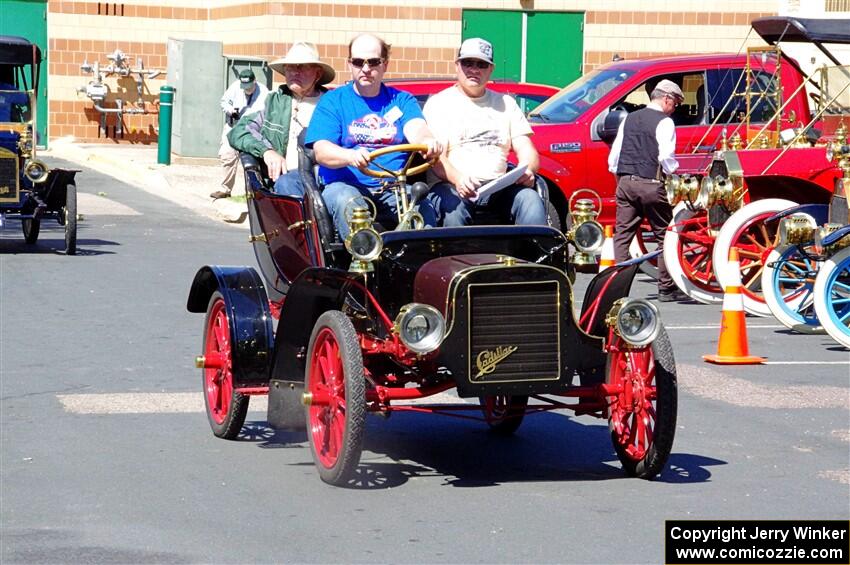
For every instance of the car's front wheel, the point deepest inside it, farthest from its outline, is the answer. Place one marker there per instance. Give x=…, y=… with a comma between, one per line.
x=335, y=382
x=642, y=410
x=503, y=413
x=69, y=217
x=31, y=227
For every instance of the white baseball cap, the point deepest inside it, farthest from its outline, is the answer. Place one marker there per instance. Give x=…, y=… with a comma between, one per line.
x=476, y=48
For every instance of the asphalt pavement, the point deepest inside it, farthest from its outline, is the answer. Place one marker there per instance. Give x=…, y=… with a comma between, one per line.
x=186, y=181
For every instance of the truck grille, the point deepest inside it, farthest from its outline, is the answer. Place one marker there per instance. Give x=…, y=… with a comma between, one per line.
x=514, y=331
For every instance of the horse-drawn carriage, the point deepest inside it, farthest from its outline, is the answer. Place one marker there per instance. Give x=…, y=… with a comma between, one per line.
x=29, y=189
x=732, y=197
x=370, y=324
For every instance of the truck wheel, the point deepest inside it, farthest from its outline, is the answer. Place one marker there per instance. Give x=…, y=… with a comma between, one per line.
x=226, y=409
x=688, y=244
x=336, y=417
x=748, y=230
x=31, y=227
x=642, y=416
x=69, y=216
x=503, y=414
x=787, y=283
x=832, y=296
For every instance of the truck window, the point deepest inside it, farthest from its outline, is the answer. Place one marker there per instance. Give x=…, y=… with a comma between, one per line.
x=692, y=109
x=726, y=100
x=579, y=96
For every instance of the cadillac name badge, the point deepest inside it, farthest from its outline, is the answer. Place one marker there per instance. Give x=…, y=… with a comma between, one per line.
x=488, y=359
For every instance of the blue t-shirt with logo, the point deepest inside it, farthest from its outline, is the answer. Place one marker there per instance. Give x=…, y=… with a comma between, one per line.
x=344, y=117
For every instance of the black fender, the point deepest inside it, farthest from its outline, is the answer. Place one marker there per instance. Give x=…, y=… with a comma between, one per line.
x=313, y=293
x=54, y=192
x=609, y=286
x=818, y=211
x=249, y=317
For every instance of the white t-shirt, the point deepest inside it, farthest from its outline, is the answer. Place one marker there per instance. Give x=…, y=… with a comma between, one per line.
x=477, y=132
x=302, y=111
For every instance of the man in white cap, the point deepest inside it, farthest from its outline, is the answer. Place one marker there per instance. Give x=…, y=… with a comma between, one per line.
x=642, y=153
x=242, y=97
x=479, y=128
x=271, y=134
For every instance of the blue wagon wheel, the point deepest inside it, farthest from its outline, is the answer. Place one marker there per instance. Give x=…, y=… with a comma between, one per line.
x=788, y=282
x=832, y=296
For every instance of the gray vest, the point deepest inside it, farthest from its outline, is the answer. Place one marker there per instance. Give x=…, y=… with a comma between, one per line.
x=639, y=152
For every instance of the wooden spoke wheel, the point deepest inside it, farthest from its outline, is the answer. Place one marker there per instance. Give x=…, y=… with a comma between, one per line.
x=832, y=296
x=688, y=246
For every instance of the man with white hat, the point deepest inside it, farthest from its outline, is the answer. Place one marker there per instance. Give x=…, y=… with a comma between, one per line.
x=272, y=133
x=479, y=128
x=641, y=154
x=241, y=97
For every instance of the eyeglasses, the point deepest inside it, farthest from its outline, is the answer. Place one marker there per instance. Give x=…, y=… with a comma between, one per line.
x=478, y=64
x=373, y=62
x=676, y=101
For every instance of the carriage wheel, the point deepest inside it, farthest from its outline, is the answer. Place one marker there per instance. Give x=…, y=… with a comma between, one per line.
x=336, y=419
x=688, y=244
x=640, y=245
x=503, y=414
x=748, y=230
x=69, y=219
x=642, y=417
x=832, y=296
x=787, y=282
x=226, y=409
x=31, y=227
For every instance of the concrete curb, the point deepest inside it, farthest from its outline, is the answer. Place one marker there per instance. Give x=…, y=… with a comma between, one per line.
x=175, y=184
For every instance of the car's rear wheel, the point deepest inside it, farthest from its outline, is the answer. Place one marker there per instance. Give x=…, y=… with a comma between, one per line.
x=31, y=227
x=642, y=413
x=503, y=413
x=226, y=409
x=645, y=242
x=787, y=282
x=69, y=216
x=336, y=415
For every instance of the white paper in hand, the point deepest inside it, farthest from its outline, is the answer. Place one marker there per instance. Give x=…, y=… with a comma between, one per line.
x=485, y=191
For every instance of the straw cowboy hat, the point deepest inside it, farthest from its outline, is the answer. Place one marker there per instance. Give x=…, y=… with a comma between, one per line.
x=304, y=53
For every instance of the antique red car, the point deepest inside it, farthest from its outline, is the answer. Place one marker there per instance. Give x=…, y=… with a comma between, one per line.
x=384, y=318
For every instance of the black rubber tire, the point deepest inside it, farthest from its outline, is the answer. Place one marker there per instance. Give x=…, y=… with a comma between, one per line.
x=343, y=470
x=503, y=421
x=31, y=227
x=69, y=212
x=665, y=409
x=552, y=216
x=232, y=424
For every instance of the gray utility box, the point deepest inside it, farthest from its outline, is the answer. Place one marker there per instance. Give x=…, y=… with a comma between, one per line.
x=195, y=72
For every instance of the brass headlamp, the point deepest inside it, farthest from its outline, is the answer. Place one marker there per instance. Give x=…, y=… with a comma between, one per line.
x=363, y=242
x=586, y=233
x=36, y=171
x=797, y=229
x=717, y=190
x=822, y=232
x=685, y=188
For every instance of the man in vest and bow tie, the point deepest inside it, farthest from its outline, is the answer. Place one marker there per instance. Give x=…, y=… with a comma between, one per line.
x=641, y=154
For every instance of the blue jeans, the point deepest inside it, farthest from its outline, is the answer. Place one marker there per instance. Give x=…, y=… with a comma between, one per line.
x=519, y=203
x=290, y=184
x=338, y=194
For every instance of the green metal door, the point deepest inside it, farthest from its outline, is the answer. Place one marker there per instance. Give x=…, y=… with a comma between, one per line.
x=504, y=31
x=554, y=50
x=544, y=47
x=28, y=19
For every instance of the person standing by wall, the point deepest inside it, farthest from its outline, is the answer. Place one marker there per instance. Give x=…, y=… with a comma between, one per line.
x=642, y=152
x=242, y=97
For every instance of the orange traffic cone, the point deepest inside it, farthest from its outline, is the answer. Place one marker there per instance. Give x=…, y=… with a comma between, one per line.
x=732, y=346
x=607, y=258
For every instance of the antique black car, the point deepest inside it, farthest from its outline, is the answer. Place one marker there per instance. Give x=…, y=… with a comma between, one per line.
x=29, y=189
x=383, y=320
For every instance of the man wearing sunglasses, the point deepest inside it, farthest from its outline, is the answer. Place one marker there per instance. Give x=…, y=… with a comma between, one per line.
x=479, y=128
x=360, y=117
x=642, y=153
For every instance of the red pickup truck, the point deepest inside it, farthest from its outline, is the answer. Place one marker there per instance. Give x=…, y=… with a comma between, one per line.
x=574, y=129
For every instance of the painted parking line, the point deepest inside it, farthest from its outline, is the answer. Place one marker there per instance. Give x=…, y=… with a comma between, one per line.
x=180, y=402
x=807, y=362
x=717, y=327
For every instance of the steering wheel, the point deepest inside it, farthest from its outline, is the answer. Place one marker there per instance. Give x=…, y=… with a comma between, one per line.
x=406, y=170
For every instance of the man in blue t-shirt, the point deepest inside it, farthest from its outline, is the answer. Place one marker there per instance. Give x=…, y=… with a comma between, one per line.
x=357, y=118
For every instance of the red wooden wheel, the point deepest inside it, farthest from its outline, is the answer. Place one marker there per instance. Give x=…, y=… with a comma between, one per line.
x=688, y=246
x=336, y=415
x=226, y=410
x=642, y=414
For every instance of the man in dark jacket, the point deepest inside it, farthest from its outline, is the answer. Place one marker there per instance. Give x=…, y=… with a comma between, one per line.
x=272, y=133
x=641, y=154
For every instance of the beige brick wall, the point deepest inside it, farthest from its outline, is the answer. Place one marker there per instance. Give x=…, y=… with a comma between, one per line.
x=424, y=35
